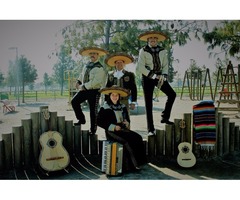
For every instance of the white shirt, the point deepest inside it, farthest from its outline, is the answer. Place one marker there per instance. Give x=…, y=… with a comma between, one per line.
x=118, y=74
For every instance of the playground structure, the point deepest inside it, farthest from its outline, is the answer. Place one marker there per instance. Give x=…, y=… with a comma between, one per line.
x=227, y=87
x=197, y=81
x=229, y=83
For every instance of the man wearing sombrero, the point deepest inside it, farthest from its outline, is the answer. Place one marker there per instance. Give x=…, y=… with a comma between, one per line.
x=122, y=77
x=153, y=65
x=94, y=78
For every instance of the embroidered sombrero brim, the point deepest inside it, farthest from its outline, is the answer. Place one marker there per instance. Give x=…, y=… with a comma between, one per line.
x=87, y=50
x=115, y=89
x=144, y=36
x=111, y=59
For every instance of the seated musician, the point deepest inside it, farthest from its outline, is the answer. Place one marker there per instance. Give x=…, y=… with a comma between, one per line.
x=114, y=118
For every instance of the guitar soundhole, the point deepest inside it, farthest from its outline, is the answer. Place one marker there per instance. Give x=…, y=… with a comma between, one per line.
x=185, y=149
x=52, y=143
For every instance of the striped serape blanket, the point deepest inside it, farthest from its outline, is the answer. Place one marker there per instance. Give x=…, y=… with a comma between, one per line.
x=204, y=124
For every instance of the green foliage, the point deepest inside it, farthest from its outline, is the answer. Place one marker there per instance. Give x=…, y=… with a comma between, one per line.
x=122, y=35
x=27, y=71
x=65, y=62
x=1, y=78
x=226, y=36
x=46, y=81
x=12, y=74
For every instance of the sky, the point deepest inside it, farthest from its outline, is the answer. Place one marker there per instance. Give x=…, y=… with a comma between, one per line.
x=37, y=39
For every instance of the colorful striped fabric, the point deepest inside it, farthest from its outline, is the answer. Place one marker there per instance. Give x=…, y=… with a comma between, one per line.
x=204, y=123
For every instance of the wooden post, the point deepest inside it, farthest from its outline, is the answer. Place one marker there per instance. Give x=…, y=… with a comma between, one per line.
x=237, y=137
x=35, y=131
x=216, y=132
x=53, y=121
x=188, y=130
x=69, y=137
x=169, y=140
x=17, y=146
x=231, y=137
x=225, y=135
x=151, y=145
x=8, y=153
x=159, y=142
x=77, y=141
x=61, y=127
x=177, y=135
x=94, y=144
x=44, y=119
x=220, y=135
x=27, y=141
x=2, y=156
x=85, y=142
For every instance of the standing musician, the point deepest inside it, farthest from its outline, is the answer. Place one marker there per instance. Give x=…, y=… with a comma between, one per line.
x=153, y=65
x=122, y=77
x=94, y=78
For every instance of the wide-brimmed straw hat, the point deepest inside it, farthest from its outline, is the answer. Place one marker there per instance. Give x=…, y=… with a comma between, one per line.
x=144, y=36
x=87, y=50
x=111, y=59
x=115, y=89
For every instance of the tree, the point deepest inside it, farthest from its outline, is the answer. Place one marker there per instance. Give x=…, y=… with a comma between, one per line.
x=122, y=35
x=27, y=73
x=12, y=76
x=64, y=63
x=1, y=78
x=46, y=82
x=226, y=36
x=216, y=77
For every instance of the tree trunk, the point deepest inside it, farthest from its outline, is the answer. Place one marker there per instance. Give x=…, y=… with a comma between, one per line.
x=107, y=33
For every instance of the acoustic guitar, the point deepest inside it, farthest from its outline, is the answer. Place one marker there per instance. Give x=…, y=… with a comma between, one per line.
x=53, y=155
x=185, y=157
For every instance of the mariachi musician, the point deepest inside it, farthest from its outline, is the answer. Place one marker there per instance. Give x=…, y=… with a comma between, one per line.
x=121, y=77
x=113, y=117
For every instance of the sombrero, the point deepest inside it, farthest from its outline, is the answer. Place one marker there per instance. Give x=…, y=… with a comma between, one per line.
x=116, y=89
x=111, y=59
x=87, y=50
x=144, y=36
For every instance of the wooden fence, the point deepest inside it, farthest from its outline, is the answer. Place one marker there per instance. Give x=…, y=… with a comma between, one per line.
x=21, y=149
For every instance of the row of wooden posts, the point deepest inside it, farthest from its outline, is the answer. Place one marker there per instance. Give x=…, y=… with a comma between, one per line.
x=21, y=149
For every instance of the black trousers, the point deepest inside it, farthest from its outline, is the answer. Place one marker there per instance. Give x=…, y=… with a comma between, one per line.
x=148, y=88
x=92, y=96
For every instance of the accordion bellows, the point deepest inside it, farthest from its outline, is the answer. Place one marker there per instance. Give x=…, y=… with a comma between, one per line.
x=204, y=123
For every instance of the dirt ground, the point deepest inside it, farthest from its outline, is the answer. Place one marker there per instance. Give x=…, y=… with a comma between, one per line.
x=158, y=168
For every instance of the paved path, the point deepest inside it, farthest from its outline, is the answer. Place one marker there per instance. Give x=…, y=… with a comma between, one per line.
x=138, y=117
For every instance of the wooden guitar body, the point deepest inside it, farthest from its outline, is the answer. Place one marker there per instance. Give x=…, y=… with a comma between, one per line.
x=53, y=155
x=185, y=157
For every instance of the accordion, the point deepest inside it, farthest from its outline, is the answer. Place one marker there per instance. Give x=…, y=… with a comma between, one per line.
x=112, y=154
